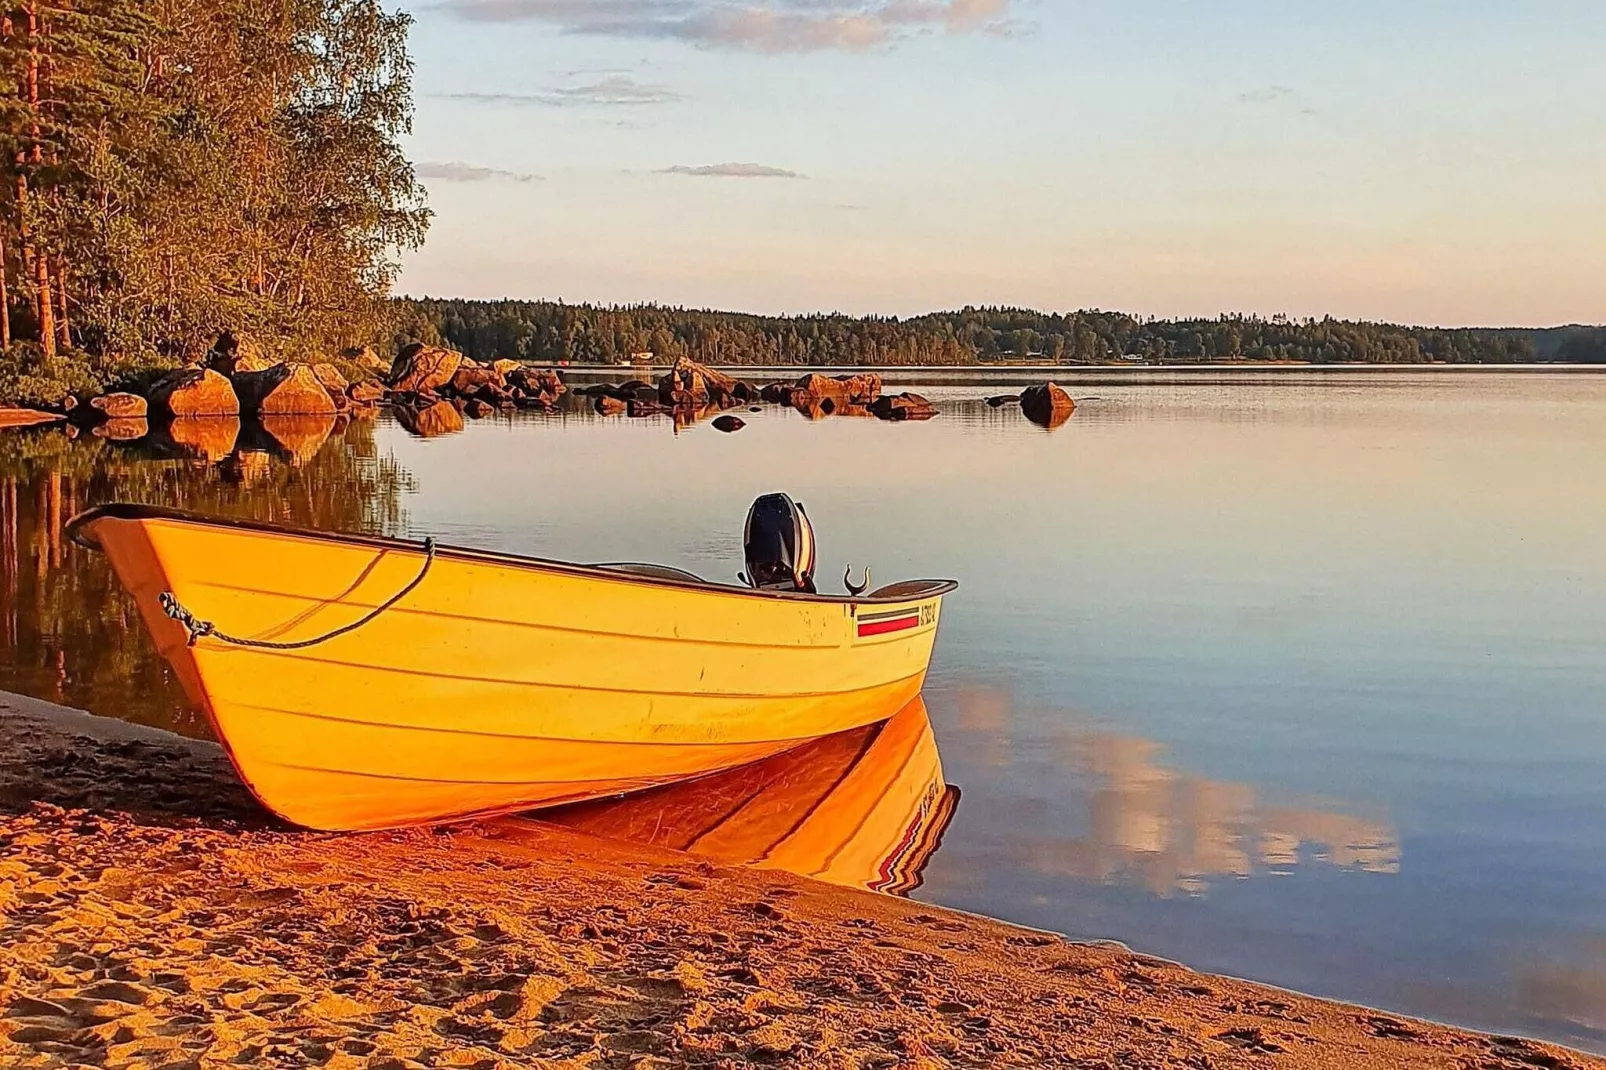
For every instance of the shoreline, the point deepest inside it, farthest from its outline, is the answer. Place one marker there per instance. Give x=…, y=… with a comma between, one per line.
x=154, y=916
x=1124, y=368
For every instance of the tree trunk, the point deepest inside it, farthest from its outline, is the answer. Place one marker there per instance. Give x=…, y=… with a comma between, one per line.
x=47, y=312
x=26, y=272
x=63, y=326
x=41, y=268
x=5, y=298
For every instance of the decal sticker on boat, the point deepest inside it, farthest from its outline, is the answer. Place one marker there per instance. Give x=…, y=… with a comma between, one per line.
x=896, y=620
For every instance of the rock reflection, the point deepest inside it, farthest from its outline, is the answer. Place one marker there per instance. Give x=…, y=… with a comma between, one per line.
x=68, y=633
x=298, y=438
x=204, y=438
x=865, y=809
x=1143, y=821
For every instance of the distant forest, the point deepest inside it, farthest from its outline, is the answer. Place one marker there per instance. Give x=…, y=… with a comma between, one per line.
x=549, y=331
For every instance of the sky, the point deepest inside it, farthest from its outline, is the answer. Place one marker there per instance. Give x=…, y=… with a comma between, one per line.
x=1425, y=161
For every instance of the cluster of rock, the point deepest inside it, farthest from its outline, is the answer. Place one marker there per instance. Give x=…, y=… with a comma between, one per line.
x=691, y=391
x=431, y=388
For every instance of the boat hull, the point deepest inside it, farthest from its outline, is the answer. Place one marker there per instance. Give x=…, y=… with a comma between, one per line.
x=498, y=683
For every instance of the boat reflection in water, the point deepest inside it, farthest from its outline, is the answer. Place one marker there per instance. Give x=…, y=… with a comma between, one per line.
x=865, y=808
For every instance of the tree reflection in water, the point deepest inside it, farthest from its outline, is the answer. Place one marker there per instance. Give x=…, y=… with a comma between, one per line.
x=68, y=631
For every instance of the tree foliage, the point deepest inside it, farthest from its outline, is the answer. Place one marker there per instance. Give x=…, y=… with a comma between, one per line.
x=175, y=167
x=547, y=331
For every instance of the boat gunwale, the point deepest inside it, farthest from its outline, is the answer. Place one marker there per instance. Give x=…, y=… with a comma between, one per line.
x=77, y=531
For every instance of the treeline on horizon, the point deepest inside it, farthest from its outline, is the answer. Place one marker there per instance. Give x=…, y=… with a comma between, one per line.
x=169, y=170
x=551, y=331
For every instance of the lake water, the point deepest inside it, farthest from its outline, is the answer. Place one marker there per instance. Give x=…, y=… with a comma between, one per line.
x=1296, y=677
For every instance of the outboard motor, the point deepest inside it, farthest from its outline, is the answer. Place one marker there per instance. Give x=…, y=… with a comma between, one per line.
x=779, y=544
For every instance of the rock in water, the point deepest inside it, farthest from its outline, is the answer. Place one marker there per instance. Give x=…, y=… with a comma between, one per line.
x=728, y=423
x=1047, y=405
x=1003, y=399
x=332, y=380
x=419, y=368
x=904, y=406
x=121, y=406
x=368, y=392
x=469, y=382
x=609, y=406
x=542, y=383
x=777, y=393
x=859, y=389
x=284, y=389
x=194, y=392
x=699, y=381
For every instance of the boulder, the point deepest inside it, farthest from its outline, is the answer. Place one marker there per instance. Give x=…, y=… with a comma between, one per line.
x=365, y=357
x=1047, y=405
x=702, y=383
x=369, y=392
x=638, y=389
x=332, y=380
x=194, y=392
x=858, y=389
x=477, y=409
x=609, y=406
x=420, y=368
x=904, y=406
x=504, y=366
x=282, y=390
x=537, y=382
x=237, y=353
x=729, y=423
x=468, y=382
x=777, y=393
x=120, y=406
x=1003, y=399
x=441, y=418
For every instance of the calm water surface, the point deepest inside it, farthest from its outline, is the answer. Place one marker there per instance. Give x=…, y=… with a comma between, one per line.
x=1301, y=679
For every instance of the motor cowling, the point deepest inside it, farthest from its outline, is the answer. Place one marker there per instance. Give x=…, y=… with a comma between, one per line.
x=779, y=545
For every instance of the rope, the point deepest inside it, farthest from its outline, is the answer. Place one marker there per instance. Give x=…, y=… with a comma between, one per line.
x=199, y=629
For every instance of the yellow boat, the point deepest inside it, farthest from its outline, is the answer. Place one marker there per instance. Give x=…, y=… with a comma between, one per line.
x=360, y=682
x=865, y=808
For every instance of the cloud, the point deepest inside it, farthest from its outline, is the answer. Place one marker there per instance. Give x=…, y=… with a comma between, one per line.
x=612, y=91
x=462, y=172
x=1269, y=95
x=731, y=170
x=770, y=26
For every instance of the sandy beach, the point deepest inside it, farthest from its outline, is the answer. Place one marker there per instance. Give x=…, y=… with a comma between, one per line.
x=152, y=916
